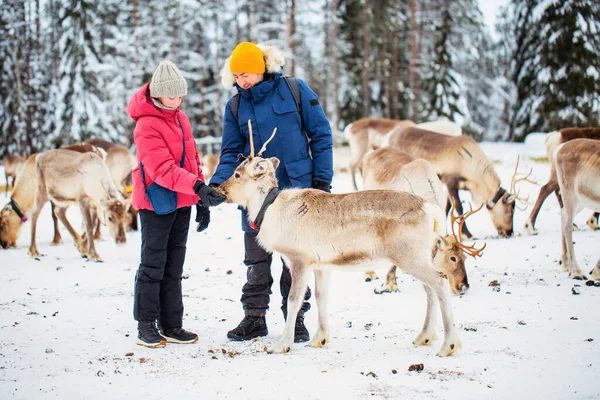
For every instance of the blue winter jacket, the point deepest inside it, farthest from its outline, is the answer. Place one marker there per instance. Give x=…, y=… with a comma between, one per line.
x=303, y=158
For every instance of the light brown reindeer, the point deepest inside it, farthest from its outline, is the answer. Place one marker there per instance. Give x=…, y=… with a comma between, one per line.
x=120, y=162
x=577, y=171
x=319, y=231
x=12, y=166
x=368, y=134
x=553, y=140
x=65, y=178
x=461, y=156
x=388, y=168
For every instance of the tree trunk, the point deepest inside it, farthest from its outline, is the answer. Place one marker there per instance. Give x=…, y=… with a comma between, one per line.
x=414, y=61
x=395, y=54
x=334, y=59
x=291, y=65
x=135, y=21
x=366, y=64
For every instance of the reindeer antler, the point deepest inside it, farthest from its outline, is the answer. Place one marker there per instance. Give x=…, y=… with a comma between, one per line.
x=251, y=141
x=264, y=147
x=468, y=250
x=513, y=185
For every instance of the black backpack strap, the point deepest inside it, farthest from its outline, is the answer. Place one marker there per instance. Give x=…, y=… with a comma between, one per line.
x=234, y=104
x=295, y=89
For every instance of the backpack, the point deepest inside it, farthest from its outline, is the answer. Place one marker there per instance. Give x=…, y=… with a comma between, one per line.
x=292, y=83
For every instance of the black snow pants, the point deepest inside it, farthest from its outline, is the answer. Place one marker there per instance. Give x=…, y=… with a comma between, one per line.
x=256, y=291
x=157, y=292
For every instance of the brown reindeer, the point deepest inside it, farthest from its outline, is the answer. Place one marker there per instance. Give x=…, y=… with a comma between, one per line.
x=392, y=169
x=120, y=162
x=361, y=226
x=65, y=178
x=368, y=134
x=12, y=166
x=209, y=165
x=577, y=170
x=553, y=140
x=461, y=156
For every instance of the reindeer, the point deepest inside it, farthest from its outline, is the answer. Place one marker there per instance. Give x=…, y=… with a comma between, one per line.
x=361, y=226
x=577, y=170
x=553, y=140
x=120, y=162
x=368, y=134
x=461, y=156
x=209, y=163
x=65, y=178
x=390, y=168
x=12, y=166
x=79, y=148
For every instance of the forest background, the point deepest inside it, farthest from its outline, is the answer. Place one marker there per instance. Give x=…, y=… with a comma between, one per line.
x=69, y=67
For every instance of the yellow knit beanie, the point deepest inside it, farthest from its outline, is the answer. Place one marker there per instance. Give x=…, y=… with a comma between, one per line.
x=247, y=58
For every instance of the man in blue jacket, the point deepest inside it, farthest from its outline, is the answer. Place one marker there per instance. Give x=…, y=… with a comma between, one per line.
x=303, y=144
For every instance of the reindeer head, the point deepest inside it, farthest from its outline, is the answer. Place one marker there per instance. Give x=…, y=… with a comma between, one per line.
x=504, y=210
x=449, y=259
x=117, y=218
x=254, y=176
x=10, y=227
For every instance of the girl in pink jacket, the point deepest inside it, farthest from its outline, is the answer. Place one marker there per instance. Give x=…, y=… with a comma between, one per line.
x=167, y=181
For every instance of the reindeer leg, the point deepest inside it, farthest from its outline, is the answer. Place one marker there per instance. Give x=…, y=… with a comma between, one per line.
x=549, y=187
x=133, y=215
x=33, y=250
x=295, y=299
x=98, y=232
x=86, y=211
x=428, y=333
x=596, y=271
x=391, y=284
x=321, y=338
x=57, y=237
x=424, y=270
x=592, y=222
x=568, y=257
x=79, y=242
x=453, y=193
x=6, y=187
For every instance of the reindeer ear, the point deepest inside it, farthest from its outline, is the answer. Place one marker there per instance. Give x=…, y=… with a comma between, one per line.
x=275, y=162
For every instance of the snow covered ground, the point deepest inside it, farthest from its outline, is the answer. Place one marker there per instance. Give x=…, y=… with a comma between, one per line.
x=67, y=331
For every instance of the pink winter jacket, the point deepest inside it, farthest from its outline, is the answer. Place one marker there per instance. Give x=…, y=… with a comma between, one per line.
x=157, y=136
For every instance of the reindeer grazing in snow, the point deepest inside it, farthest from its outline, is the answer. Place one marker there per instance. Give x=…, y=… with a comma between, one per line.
x=368, y=134
x=388, y=168
x=461, y=156
x=12, y=166
x=360, y=226
x=553, y=140
x=65, y=178
x=577, y=170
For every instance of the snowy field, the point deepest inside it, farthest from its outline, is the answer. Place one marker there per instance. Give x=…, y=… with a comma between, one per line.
x=67, y=331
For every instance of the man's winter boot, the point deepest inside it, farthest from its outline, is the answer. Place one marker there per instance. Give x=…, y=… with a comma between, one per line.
x=249, y=328
x=179, y=335
x=301, y=333
x=148, y=335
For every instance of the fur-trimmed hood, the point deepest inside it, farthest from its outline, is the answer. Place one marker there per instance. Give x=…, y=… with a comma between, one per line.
x=274, y=62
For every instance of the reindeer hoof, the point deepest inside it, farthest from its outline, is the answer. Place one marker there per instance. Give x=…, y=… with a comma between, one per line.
x=56, y=242
x=530, y=229
x=34, y=253
x=319, y=343
x=386, y=289
x=578, y=275
x=425, y=339
x=370, y=276
x=449, y=348
x=592, y=222
x=576, y=228
x=279, y=349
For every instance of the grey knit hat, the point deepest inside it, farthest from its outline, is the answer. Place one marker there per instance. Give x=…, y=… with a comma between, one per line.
x=167, y=81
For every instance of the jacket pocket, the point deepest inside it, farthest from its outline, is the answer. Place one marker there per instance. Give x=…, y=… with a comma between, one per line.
x=287, y=116
x=300, y=173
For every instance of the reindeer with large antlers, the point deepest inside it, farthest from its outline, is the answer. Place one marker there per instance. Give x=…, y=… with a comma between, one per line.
x=319, y=231
x=388, y=168
x=461, y=157
x=577, y=171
